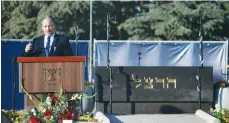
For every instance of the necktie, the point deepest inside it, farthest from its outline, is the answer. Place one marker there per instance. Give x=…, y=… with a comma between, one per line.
x=47, y=46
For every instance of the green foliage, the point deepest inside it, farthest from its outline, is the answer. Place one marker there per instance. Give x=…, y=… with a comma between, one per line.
x=222, y=114
x=180, y=21
x=22, y=19
x=19, y=115
x=132, y=20
x=119, y=12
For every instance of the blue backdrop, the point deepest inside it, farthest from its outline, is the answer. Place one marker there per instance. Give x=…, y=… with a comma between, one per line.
x=166, y=53
x=13, y=48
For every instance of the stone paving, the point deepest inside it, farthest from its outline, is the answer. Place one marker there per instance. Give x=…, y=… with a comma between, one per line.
x=156, y=118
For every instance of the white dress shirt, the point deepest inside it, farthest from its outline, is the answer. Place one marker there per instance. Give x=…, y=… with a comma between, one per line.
x=51, y=40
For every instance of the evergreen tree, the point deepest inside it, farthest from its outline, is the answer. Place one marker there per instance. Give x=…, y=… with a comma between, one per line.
x=166, y=20
x=180, y=21
x=22, y=19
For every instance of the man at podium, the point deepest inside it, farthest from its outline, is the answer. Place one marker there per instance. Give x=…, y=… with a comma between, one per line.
x=49, y=44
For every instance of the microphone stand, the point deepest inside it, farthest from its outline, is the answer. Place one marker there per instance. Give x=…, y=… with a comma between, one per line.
x=76, y=34
x=201, y=63
x=139, y=58
x=76, y=41
x=199, y=73
x=108, y=62
x=14, y=85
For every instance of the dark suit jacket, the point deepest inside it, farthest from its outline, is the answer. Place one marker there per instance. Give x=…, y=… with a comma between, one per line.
x=59, y=47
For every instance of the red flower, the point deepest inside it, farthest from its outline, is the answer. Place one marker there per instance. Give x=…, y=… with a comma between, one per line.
x=48, y=117
x=47, y=112
x=60, y=121
x=54, y=97
x=222, y=84
x=68, y=116
x=34, y=119
x=224, y=116
x=69, y=109
x=62, y=117
x=219, y=84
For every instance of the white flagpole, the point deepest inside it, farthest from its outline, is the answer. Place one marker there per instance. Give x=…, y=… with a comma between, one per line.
x=90, y=58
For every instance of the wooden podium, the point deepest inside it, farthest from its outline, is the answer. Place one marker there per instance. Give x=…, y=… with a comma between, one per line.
x=50, y=74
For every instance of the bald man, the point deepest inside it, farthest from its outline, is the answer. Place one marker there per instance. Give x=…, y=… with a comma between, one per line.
x=49, y=44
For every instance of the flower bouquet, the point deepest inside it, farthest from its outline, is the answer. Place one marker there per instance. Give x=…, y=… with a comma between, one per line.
x=54, y=108
x=18, y=115
x=221, y=84
x=222, y=114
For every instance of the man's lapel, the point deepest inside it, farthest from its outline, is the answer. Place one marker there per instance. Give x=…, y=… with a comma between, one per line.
x=41, y=45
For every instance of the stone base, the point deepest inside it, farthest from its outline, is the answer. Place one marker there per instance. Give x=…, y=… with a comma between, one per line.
x=151, y=107
x=207, y=117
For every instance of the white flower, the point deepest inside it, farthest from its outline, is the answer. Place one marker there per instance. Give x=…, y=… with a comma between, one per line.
x=44, y=110
x=217, y=110
x=48, y=100
x=76, y=96
x=40, y=108
x=34, y=111
x=51, y=118
x=222, y=111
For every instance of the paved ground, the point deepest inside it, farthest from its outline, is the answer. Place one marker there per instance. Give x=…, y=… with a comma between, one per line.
x=156, y=118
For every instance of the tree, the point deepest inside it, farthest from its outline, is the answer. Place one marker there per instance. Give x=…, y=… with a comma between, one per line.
x=180, y=21
x=23, y=19
x=118, y=11
x=167, y=20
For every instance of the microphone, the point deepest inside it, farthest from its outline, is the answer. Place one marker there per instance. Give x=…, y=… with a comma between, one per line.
x=139, y=58
x=35, y=52
x=38, y=51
